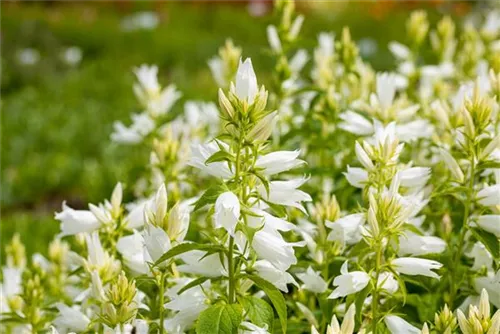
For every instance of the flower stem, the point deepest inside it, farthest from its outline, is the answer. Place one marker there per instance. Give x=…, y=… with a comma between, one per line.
x=162, y=302
x=231, y=289
x=463, y=231
x=375, y=294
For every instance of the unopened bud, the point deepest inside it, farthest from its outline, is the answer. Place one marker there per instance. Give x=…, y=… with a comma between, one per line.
x=263, y=129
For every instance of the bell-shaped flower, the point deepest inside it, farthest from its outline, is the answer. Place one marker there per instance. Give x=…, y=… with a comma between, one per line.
x=246, y=87
x=489, y=196
x=357, y=177
x=271, y=246
x=227, y=212
x=277, y=162
x=10, y=286
x=397, y=325
x=415, y=245
x=286, y=193
x=156, y=241
x=99, y=259
x=249, y=328
x=416, y=266
x=273, y=38
x=142, y=125
x=312, y=281
x=386, y=89
x=198, y=263
x=199, y=155
x=279, y=278
x=482, y=258
x=76, y=221
x=490, y=223
x=346, y=230
x=131, y=247
x=355, y=123
x=490, y=283
x=349, y=282
x=71, y=319
x=415, y=177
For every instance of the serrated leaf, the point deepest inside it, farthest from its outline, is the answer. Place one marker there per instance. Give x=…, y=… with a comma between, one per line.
x=183, y=248
x=489, y=240
x=221, y=319
x=210, y=195
x=259, y=312
x=275, y=296
x=219, y=156
x=359, y=301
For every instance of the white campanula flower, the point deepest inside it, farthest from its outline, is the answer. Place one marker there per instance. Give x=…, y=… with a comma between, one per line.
x=397, y=325
x=346, y=230
x=163, y=103
x=140, y=21
x=295, y=28
x=72, y=56
x=363, y=157
x=286, y=193
x=28, y=56
x=148, y=85
x=10, y=286
x=349, y=282
x=135, y=217
x=131, y=247
x=71, y=319
x=198, y=263
x=490, y=223
x=280, y=161
x=414, y=177
x=490, y=283
x=245, y=87
x=273, y=38
x=489, y=196
x=355, y=123
x=400, y=51
x=249, y=328
x=200, y=114
x=218, y=69
x=414, y=130
x=416, y=266
x=201, y=152
x=227, y=212
x=312, y=281
x=326, y=44
x=142, y=125
x=76, y=221
x=415, y=245
x=387, y=282
x=386, y=89
x=271, y=246
x=278, y=277
x=156, y=241
x=187, y=306
x=357, y=177
x=298, y=61
x=482, y=258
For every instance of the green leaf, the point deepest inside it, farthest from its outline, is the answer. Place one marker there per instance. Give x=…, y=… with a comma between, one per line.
x=489, y=240
x=220, y=156
x=259, y=312
x=192, y=284
x=210, y=195
x=275, y=296
x=221, y=319
x=183, y=248
x=358, y=302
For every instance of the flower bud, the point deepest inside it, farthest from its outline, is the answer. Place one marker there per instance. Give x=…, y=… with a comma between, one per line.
x=226, y=106
x=263, y=129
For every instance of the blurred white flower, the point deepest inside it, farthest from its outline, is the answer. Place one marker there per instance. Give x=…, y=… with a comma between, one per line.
x=398, y=325
x=141, y=126
x=489, y=196
x=490, y=223
x=349, y=282
x=72, y=56
x=156, y=241
x=415, y=245
x=76, y=221
x=387, y=282
x=491, y=284
x=414, y=177
x=280, y=161
x=346, y=230
x=227, y=212
x=482, y=258
x=273, y=38
x=279, y=278
x=357, y=177
x=400, y=51
x=140, y=20
x=71, y=319
x=312, y=281
x=28, y=56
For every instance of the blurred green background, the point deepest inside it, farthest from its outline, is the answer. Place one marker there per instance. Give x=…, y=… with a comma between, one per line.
x=57, y=115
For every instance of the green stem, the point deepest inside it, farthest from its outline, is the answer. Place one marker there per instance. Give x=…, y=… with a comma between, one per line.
x=162, y=302
x=230, y=265
x=463, y=231
x=375, y=294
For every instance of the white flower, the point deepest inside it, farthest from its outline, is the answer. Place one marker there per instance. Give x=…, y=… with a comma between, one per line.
x=227, y=212
x=355, y=123
x=357, y=177
x=326, y=44
x=349, y=282
x=96, y=254
x=198, y=263
x=415, y=245
x=201, y=114
x=163, y=103
x=363, y=157
x=271, y=246
x=131, y=247
x=28, y=56
x=142, y=125
x=273, y=38
x=312, y=281
x=295, y=28
x=489, y=196
x=249, y=328
x=286, y=193
x=400, y=51
x=216, y=65
x=201, y=152
x=76, y=221
x=416, y=266
x=246, y=82
x=397, y=325
x=10, y=286
x=490, y=223
x=280, y=161
x=298, y=61
x=414, y=130
x=72, y=55
x=415, y=177
x=386, y=89
x=156, y=241
x=279, y=278
x=491, y=284
x=452, y=165
x=71, y=318
x=482, y=258
x=387, y=282
x=346, y=230
x=148, y=86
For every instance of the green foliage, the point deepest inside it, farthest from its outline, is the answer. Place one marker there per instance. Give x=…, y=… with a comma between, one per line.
x=223, y=319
